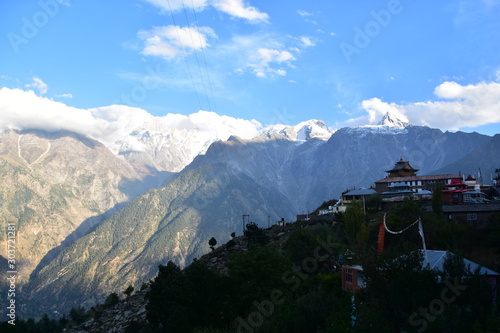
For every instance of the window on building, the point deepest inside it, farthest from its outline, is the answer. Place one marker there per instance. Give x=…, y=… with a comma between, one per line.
x=471, y=216
x=348, y=275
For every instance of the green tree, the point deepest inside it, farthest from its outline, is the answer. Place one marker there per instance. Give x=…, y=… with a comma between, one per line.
x=180, y=301
x=210, y=294
x=300, y=244
x=111, y=300
x=129, y=291
x=166, y=310
x=437, y=200
x=255, y=235
x=256, y=274
x=353, y=222
x=78, y=315
x=396, y=287
x=374, y=201
x=212, y=242
x=231, y=243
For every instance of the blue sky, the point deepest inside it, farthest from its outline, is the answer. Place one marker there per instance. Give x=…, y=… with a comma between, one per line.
x=433, y=63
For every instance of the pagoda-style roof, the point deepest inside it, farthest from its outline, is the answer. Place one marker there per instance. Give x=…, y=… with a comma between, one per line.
x=456, y=182
x=469, y=178
x=402, y=168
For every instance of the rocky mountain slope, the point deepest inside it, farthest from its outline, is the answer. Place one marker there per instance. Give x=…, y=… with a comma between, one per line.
x=309, y=172
x=481, y=162
x=68, y=194
x=170, y=223
x=267, y=177
x=54, y=186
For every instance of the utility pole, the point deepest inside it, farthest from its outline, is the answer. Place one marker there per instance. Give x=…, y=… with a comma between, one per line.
x=268, y=221
x=247, y=218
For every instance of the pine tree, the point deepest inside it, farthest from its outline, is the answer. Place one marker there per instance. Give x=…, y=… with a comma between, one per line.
x=129, y=290
x=437, y=200
x=212, y=242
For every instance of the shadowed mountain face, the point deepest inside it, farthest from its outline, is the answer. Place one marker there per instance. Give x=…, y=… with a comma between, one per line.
x=55, y=187
x=58, y=187
x=170, y=223
x=309, y=173
x=484, y=160
x=51, y=183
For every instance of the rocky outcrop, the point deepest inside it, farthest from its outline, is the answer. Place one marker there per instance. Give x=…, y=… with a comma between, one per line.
x=128, y=315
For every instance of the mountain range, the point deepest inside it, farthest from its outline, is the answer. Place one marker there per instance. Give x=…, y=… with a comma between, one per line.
x=94, y=217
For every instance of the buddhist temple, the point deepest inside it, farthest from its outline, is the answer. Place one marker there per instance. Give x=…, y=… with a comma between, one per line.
x=404, y=174
x=402, y=168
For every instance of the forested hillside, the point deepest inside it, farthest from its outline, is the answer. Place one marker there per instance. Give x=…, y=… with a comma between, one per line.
x=288, y=279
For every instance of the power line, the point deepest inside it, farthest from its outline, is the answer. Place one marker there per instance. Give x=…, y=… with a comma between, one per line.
x=204, y=58
x=184, y=54
x=196, y=54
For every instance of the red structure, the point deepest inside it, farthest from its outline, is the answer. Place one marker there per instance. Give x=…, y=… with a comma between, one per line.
x=353, y=278
x=381, y=237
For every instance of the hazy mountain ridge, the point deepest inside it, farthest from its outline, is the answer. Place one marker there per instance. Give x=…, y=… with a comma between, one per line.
x=485, y=159
x=172, y=149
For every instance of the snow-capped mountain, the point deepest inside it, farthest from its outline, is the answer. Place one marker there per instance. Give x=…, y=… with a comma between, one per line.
x=313, y=129
x=276, y=172
x=390, y=124
x=303, y=131
x=391, y=120
x=171, y=142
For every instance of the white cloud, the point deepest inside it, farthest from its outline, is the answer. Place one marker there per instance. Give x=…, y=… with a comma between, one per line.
x=304, y=13
x=65, y=95
x=307, y=41
x=170, y=41
x=238, y=9
x=263, y=60
x=38, y=84
x=463, y=107
x=281, y=72
x=175, y=5
x=263, y=55
x=112, y=125
x=267, y=56
x=25, y=110
x=235, y=8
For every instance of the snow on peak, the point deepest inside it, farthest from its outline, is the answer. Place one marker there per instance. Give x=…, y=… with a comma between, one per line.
x=312, y=129
x=167, y=142
x=303, y=131
x=391, y=120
